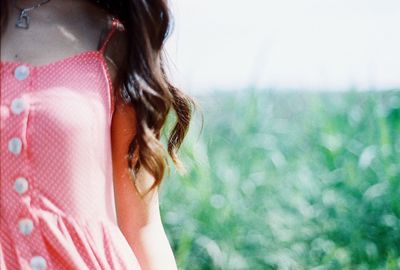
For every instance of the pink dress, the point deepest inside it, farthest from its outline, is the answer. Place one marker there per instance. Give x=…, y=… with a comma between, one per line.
x=57, y=202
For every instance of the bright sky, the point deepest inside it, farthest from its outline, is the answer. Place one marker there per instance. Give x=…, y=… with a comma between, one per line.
x=297, y=44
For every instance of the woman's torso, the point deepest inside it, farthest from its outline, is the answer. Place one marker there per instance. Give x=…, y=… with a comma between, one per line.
x=57, y=201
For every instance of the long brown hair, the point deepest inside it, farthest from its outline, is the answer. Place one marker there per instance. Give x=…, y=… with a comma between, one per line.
x=143, y=83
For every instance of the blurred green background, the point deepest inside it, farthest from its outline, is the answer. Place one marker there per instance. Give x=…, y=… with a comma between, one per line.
x=288, y=180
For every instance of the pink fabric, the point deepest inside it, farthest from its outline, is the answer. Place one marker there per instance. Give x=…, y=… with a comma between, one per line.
x=66, y=160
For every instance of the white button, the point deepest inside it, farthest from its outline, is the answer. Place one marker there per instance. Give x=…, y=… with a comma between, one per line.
x=25, y=226
x=21, y=72
x=15, y=145
x=17, y=105
x=21, y=185
x=38, y=263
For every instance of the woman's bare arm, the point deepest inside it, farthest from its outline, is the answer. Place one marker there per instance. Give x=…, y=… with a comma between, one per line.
x=139, y=219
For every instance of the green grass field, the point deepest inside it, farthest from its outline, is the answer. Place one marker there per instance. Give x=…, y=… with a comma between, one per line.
x=294, y=180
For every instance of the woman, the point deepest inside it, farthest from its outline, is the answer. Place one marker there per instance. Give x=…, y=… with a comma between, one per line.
x=84, y=97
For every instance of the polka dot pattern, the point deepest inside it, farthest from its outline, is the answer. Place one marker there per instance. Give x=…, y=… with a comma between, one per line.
x=57, y=202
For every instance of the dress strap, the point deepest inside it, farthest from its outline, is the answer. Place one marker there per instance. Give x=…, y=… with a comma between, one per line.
x=115, y=24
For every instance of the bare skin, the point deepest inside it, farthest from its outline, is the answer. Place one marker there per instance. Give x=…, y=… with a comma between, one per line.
x=70, y=28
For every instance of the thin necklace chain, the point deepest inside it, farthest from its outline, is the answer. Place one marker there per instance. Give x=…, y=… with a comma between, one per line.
x=24, y=18
x=32, y=7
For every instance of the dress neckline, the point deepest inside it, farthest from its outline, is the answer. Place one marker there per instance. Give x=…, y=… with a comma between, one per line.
x=97, y=53
x=56, y=62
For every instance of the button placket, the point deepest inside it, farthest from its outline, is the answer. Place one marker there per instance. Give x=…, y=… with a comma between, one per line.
x=18, y=105
x=25, y=224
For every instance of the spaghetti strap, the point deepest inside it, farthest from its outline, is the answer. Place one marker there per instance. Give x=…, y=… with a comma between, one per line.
x=114, y=26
